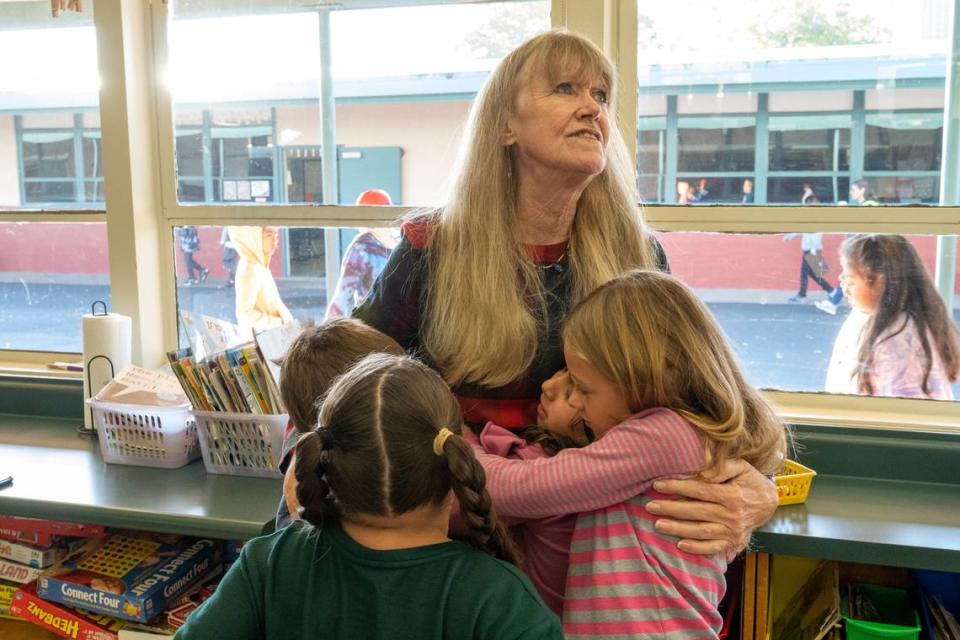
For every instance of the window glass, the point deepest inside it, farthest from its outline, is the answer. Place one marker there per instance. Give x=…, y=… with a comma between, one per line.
x=397, y=119
x=217, y=266
x=50, y=274
x=48, y=108
x=839, y=92
x=770, y=296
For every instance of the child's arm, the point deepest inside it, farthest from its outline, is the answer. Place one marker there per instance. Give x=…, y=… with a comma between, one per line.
x=622, y=464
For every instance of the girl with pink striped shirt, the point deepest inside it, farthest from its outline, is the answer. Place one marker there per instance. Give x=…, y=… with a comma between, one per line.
x=659, y=389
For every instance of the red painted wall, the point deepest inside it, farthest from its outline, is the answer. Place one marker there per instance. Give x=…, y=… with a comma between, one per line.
x=703, y=260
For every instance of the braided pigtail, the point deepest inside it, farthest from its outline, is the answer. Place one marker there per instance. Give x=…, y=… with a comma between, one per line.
x=467, y=479
x=314, y=463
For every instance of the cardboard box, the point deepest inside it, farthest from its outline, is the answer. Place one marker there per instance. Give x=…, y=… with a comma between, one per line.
x=61, y=620
x=133, y=576
x=44, y=532
x=40, y=557
x=6, y=596
x=19, y=573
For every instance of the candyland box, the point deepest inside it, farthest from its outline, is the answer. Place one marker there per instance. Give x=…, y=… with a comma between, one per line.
x=16, y=572
x=131, y=576
x=6, y=595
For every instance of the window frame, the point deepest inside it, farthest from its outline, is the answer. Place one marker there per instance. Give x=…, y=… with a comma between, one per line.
x=143, y=206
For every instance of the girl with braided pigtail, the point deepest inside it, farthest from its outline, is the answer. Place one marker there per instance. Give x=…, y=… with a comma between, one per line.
x=370, y=557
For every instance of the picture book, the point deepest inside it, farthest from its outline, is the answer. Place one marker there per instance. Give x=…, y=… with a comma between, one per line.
x=131, y=576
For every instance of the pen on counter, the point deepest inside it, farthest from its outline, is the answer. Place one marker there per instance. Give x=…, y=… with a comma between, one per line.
x=66, y=366
x=6, y=482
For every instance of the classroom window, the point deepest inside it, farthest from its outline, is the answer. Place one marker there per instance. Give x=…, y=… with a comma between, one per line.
x=414, y=100
x=840, y=91
x=216, y=266
x=51, y=274
x=752, y=284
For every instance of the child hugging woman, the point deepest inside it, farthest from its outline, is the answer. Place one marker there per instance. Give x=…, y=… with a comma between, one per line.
x=659, y=389
x=899, y=340
x=371, y=557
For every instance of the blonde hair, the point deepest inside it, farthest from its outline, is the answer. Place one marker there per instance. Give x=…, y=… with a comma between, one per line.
x=649, y=334
x=485, y=299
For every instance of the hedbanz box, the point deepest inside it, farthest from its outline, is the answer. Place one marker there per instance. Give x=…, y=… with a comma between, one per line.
x=16, y=572
x=131, y=576
x=61, y=620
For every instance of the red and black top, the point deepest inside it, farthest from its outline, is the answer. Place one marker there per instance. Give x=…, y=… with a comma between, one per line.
x=395, y=306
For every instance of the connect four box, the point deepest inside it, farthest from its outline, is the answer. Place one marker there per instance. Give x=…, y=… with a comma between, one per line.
x=131, y=576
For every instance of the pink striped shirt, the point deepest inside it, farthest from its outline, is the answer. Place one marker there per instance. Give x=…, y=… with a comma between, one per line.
x=624, y=578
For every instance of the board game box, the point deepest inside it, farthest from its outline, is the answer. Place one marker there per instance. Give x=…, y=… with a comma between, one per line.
x=44, y=532
x=16, y=572
x=6, y=595
x=131, y=576
x=34, y=556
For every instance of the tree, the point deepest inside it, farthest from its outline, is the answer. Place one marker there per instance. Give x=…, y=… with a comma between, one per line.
x=507, y=26
x=812, y=26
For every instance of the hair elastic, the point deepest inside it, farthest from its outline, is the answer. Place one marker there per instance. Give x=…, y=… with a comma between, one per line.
x=326, y=437
x=441, y=439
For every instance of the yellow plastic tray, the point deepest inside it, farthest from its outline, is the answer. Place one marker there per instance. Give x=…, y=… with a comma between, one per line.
x=793, y=483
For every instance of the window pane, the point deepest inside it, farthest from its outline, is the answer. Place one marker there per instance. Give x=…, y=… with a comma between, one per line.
x=838, y=92
x=51, y=275
x=755, y=287
x=828, y=190
x=398, y=117
x=48, y=106
x=216, y=266
x=725, y=149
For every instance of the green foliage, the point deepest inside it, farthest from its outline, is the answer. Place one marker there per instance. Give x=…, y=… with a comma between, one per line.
x=812, y=26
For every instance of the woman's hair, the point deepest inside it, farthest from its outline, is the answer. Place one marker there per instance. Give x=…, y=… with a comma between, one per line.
x=908, y=294
x=373, y=453
x=649, y=334
x=485, y=297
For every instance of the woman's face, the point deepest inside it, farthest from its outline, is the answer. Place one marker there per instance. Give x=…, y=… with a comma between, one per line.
x=598, y=400
x=271, y=240
x=555, y=413
x=559, y=129
x=863, y=290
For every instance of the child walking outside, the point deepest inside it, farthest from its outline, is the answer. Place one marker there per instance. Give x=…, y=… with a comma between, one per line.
x=661, y=392
x=899, y=340
x=372, y=559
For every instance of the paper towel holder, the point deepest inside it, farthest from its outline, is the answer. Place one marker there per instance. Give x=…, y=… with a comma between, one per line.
x=83, y=429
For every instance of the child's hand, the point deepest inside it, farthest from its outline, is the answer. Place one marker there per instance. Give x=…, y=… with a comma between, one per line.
x=720, y=512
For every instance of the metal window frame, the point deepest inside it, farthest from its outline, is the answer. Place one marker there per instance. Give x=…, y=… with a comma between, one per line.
x=144, y=209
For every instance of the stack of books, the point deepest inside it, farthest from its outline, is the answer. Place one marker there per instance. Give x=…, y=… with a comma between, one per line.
x=236, y=380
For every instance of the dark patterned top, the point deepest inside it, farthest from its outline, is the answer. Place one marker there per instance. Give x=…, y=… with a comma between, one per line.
x=395, y=306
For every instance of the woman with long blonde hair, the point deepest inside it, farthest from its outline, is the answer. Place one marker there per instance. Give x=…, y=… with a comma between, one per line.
x=543, y=210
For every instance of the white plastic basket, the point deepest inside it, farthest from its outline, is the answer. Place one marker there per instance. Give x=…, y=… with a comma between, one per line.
x=145, y=436
x=241, y=444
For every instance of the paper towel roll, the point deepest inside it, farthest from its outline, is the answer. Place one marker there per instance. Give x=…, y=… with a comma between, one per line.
x=107, y=339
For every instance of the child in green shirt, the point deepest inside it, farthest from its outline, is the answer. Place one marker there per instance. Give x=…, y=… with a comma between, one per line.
x=371, y=558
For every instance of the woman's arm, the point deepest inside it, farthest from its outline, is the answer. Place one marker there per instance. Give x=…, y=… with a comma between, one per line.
x=720, y=511
x=620, y=465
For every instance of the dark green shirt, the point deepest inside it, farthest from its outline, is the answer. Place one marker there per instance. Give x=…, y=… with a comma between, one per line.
x=303, y=582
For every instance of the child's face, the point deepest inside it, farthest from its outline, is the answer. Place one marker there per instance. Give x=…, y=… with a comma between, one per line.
x=599, y=400
x=864, y=292
x=555, y=412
